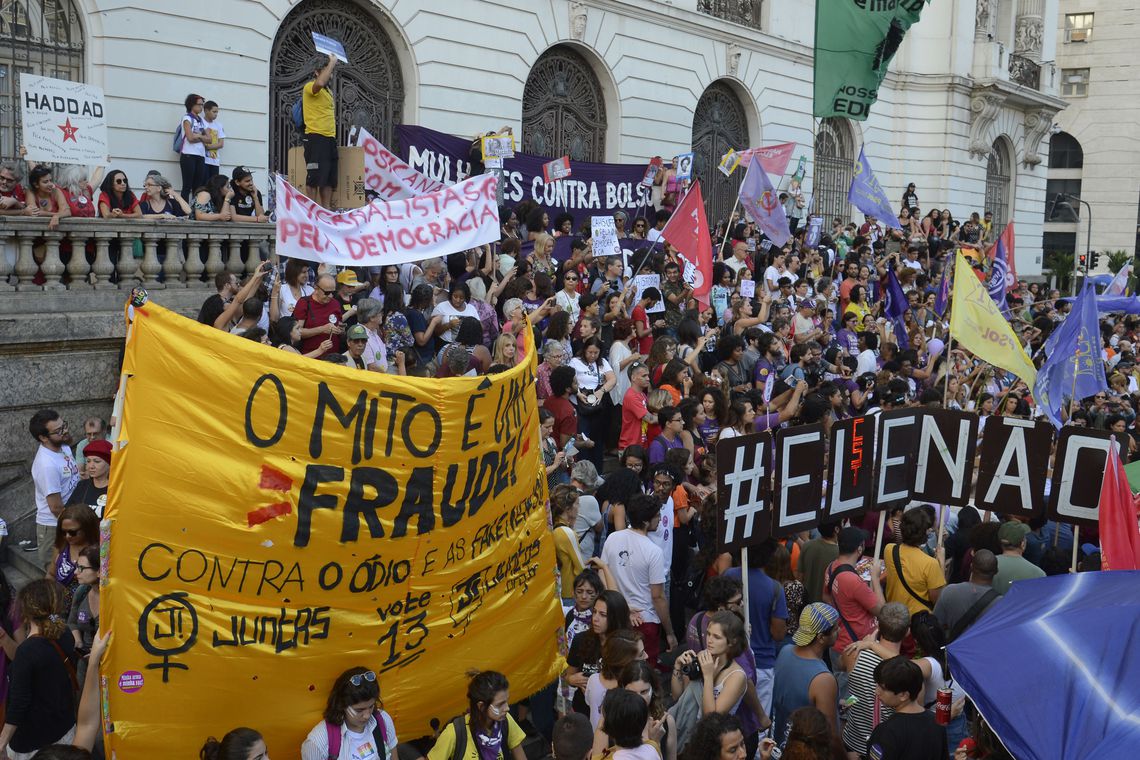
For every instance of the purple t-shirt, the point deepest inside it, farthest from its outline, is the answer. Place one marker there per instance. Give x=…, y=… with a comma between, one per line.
x=660, y=445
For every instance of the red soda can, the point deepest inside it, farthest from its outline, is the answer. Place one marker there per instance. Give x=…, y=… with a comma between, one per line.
x=942, y=707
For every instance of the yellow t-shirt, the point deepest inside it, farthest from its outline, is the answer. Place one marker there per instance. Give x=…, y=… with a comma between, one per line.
x=445, y=744
x=569, y=559
x=861, y=310
x=922, y=574
x=319, y=110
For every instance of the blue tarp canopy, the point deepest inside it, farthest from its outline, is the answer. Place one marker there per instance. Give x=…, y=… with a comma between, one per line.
x=1054, y=666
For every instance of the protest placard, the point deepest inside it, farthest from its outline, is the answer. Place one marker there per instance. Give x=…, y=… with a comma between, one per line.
x=603, y=236
x=329, y=46
x=747, y=288
x=389, y=232
x=385, y=174
x=743, y=491
x=814, y=231
x=1078, y=474
x=651, y=171
x=799, y=489
x=684, y=166
x=63, y=122
x=557, y=169
x=397, y=523
x=728, y=162
x=1013, y=467
x=851, y=476
x=498, y=146
x=643, y=281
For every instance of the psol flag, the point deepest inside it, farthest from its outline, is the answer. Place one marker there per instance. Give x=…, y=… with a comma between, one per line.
x=287, y=519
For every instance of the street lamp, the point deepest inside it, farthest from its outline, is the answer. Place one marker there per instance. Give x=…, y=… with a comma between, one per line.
x=1060, y=203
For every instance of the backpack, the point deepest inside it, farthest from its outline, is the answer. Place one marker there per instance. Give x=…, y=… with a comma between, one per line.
x=379, y=735
x=459, y=726
x=298, y=115
x=179, y=138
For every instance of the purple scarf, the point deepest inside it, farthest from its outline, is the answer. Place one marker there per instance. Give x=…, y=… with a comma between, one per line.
x=490, y=745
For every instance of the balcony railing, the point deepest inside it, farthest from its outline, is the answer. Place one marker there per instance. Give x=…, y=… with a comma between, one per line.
x=746, y=12
x=1024, y=71
x=85, y=254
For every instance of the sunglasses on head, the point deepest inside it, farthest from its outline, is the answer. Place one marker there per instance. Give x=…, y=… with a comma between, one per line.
x=360, y=678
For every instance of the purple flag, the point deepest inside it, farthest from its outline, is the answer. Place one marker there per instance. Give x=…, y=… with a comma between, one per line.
x=943, y=294
x=894, y=306
x=998, y=279
x=761, y=202
x=866, y=194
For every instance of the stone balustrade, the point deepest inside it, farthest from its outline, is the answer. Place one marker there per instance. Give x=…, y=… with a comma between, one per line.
x=104, y=254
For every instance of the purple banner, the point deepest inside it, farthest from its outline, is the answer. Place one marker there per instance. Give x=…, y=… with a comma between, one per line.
x=592, y=190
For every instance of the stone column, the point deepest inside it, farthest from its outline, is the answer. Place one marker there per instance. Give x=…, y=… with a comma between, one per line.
x=1030, y=29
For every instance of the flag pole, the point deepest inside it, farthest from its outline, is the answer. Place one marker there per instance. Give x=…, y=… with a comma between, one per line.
x=879, y=534
x=727, y=229
x=744, y=590
x=949, y=370
x=1076, y=543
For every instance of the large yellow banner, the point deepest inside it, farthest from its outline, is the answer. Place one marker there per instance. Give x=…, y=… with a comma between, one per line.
x=275, y=520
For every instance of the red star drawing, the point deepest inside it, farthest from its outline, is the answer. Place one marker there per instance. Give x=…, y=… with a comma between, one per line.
x=68, y=131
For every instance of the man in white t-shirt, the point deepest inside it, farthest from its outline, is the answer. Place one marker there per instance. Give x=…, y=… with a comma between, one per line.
x=638, y=566
x=55, y=475
x=215, y=138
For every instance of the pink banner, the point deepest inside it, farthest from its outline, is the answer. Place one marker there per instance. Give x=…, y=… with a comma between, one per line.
x=386, y=174
x=435, y=224
x=774, y=158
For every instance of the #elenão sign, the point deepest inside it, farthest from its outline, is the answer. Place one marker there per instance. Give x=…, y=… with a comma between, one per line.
x=276, y=520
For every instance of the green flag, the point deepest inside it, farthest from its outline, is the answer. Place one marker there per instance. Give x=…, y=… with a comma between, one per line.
x=854, y=42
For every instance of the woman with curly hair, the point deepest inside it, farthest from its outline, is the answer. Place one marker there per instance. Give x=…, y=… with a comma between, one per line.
x=810, y=737
x=718, y=737
x=42, y=683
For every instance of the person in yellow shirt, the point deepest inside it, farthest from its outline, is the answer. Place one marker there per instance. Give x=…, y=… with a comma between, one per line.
x=490, y=731
x=921, y=579
x=319, y=109
x=564, y=513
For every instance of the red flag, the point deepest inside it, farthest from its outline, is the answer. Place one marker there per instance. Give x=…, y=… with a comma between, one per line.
x=688, y=231
x=1006, y=239
x=1119, y=534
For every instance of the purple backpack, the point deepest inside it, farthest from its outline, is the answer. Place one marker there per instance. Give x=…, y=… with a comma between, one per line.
x=379, y=735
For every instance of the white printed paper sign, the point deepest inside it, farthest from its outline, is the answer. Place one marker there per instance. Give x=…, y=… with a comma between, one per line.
x=603, y=236
x=329, y=46
x=643, y=281
x=64, y=122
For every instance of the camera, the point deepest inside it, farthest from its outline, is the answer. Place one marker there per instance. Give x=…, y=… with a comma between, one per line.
x=692, y=670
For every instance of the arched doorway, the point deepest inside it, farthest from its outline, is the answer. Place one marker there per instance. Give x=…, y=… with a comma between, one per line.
x=41, y=37
x=564, y=110
x=834, y=167
x=369, y=90
x=999, y=182
x=719, y=124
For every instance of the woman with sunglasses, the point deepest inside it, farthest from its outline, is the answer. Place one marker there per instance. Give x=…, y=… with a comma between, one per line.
x=640, y=229
x=488, y=730
x=116, y=199
x=84, y=618
x=567, y=298
x=354, y=726
x=77, y=529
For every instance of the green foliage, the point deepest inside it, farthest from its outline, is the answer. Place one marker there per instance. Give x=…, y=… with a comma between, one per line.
x=1116, y=260
x=1060, y=265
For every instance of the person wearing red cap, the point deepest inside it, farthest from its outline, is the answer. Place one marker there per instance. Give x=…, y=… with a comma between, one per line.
x=93, y=490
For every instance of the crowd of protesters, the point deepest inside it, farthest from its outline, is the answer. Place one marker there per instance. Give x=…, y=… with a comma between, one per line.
x=838, y=654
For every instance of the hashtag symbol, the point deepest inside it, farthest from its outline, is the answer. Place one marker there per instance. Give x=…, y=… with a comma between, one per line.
x=746, y=491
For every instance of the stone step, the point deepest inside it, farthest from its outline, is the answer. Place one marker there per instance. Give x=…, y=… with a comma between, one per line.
x=20, y=567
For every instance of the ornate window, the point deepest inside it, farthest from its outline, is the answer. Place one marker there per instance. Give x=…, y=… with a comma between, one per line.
x=834, y=170
x=719, y=124
x=563, y=109
x=746, y=12
x=999, y=182
x=45, y=38
x=369, y=90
